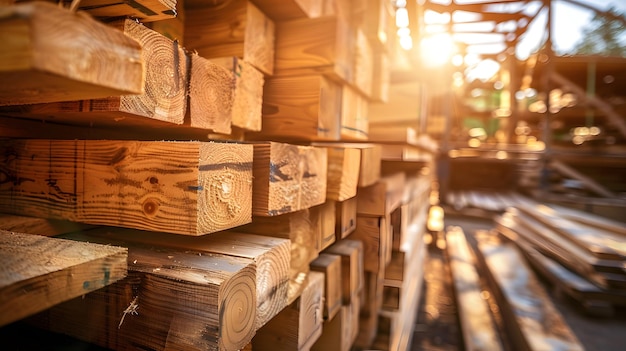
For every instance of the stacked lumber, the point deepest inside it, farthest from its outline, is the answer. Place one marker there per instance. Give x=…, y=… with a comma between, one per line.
x=263, y=219
x=583, y=260
x=530, y=318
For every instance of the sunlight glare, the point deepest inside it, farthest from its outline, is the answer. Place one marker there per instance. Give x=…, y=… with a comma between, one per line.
x=437, y=49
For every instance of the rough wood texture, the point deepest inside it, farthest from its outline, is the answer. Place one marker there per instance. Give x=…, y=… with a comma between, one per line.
x=383, y=197
x=164, y=98
x=323, y=220
x=314, y=46
x=282, y=10
x=352, y=261
x=271, y=256
x=303, y=107
x=479, y=331
x=297, y=228
x=211, y=95
x=287, y=178
x=188, y=188
x=344, y=164
x=299, y=325
x=248, y=93
x=530, y=317
x=354, y=120
x=231, y=28
x=38, y=272
x=330, y=265
x=42, y=63
x=346, y=218
x=339, y=332
x=172, y=299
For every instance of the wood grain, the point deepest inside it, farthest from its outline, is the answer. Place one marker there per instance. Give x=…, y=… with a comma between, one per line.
x=344, y=165
x=352, y=272
x=330, y=265
x=287, y=178
x=43, y=64
x=39, y=272
x=190, y=188
x=231, y=28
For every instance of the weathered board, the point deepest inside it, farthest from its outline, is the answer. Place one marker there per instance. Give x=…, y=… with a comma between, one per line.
x=231, y=28
x=39, y=272
x=42, y=64
x=190, y=188
x=287, y=178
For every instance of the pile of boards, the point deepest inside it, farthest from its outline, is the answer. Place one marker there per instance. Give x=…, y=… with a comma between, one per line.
x=203, y=175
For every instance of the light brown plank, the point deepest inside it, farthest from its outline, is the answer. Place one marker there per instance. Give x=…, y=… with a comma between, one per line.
x=330, y=265
x=352, y=261
x=43, y=65
x=190, y=188
x=231, y=28
x=344, y=165
x=39, y=272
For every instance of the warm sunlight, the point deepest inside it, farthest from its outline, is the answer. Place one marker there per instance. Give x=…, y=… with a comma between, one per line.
x=437, y=49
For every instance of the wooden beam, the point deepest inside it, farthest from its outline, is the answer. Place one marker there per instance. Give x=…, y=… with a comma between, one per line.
x=344, y=164
x=142, y=10
x=339, y=333
x=296, y=227
x=323, y=220
x=164, y=98
x=130, y=183
x=248, y=91
x=479, y=331
x=231, y=28
x=346, y=218
x=287, y=178
x=314, y=46
x=588, y=182
x=38, y=226
x=382, y=198
x=281, y=10
x=304, y=107
x=271, y=256
x=352, y=260
x=172, y=299
x=40, y=272
x=375, y=234
x=299, y=325
x=330, y=265
x=354, y=111
x=42, y=64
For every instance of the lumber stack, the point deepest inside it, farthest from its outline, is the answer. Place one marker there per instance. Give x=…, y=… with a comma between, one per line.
x=239, y=173
x=583, y=260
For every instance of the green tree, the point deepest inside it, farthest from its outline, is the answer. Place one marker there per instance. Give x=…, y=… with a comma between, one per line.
x=605, y=35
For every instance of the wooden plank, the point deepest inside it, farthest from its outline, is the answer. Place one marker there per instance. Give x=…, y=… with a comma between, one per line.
x=363, y=63
x=314, y=46
x=381, y=79
x=376, y=18
x=477, y=326
x=130, y=183
x=38, y=226
x=299, y=325
x=271, y=256
x=248, y=91
x=231, y=28
x=592, y=220
x=340, y=332
x=173, y=299
x=323, y=220
x=530, y=316
x=164, y=98
x=370, y=164
x=281, y=10
x=352, y=261
x=346, y=218
x=142, y=10
x=330, y=265
x=287, y=178
x=587, y=181
x=40, y=272
x=296, y=227
x=402, y=108
x=173, y=28
x=211, y=95
x=372, y=300
x=304, y=107
x=43, y=65
x=354, y=120
x=344, y=164
x=375, y=234
x=382, y=198
x=602, y=244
